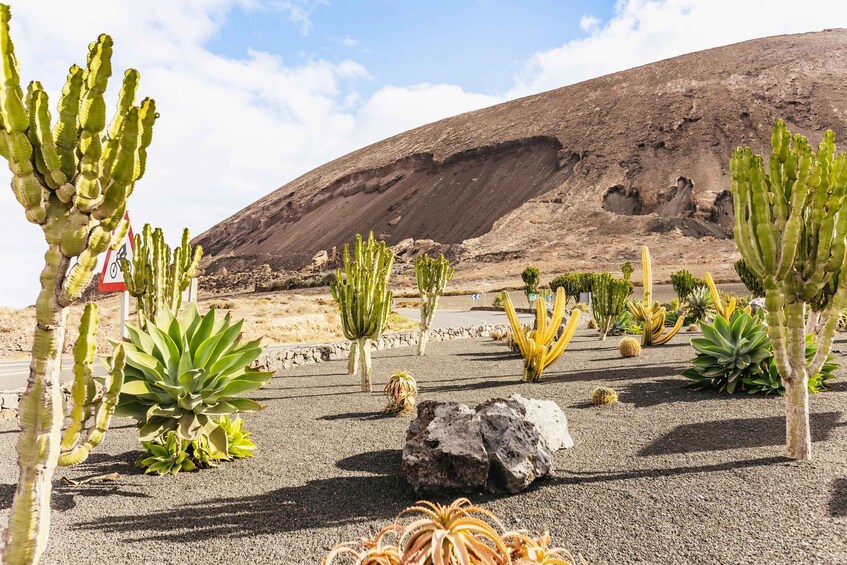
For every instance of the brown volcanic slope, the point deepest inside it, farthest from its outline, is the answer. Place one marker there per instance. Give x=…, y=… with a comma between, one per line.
x=575, y=177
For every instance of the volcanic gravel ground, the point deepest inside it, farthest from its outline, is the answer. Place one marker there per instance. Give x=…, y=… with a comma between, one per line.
x=669, y=475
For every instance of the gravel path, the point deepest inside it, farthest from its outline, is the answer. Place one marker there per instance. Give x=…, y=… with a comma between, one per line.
x=669, y=475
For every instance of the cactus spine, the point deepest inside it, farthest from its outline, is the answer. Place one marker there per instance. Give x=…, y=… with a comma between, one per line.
x=361, y=290
x=651, y=316
x=153, y=279
x=73, y=179
x=540, y=348
x=608, y=300
x=432, y=276
x=791, y=230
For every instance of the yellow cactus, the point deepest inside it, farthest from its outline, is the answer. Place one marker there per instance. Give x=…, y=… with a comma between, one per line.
x=538, y=348
x=630, y=347
x=723, y=310
x=651, y=315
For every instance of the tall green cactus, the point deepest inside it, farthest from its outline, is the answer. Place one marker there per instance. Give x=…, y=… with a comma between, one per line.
x=608, y=300
x=73, y=179
x=153, y=279
x=361, y=290
x=90, y=414
x=791, y=229
x=432, y=276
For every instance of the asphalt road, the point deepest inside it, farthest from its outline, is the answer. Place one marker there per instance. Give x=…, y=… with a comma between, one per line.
x=13, y=374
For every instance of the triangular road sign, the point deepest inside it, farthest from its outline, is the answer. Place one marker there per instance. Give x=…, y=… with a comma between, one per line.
x=112, y=277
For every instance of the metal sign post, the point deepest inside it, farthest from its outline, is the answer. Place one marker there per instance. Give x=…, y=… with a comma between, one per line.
x=112, y=276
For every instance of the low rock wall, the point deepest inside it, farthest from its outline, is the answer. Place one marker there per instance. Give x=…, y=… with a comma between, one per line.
x=277, y=359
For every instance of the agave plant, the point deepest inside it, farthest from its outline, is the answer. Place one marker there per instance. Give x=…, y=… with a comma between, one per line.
x=402, y=392
x=168, y=455
x=769, y=382
x=237, y=438
x=525, y=549
x=729, y=352
x=699, y=306
x=452, y=534
x=370, y=552
x=181, y=374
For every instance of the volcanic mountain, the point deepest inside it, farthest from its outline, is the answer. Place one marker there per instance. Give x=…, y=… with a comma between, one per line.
x=577, y=177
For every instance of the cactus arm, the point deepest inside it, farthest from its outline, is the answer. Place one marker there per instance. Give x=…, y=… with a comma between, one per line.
x=515, y=324
x=84, y=350
x=541, y=320
x=126, y=99
x=105, y=411
x=66, y=130
x=564, y=340
x=671, y=332
x=123, y=167
x=558, y=315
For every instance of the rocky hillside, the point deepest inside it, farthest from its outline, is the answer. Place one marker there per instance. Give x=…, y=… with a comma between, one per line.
x=572, y=178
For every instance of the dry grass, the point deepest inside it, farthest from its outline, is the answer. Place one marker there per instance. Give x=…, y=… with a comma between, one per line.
x=283, y=317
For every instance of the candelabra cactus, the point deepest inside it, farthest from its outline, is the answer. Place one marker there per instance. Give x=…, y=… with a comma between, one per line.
x=651, y=315
x=90, y=415
x=73, y=180
x=540, y=348
x=361, y=290
x=791, y=230
x=153, y=279
x=749, y=278
x=432, y=276
x=608, y=300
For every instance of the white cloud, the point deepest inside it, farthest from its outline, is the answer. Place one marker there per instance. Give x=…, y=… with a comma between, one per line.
x=644, y=31
x=588, y=23
x=349, y=42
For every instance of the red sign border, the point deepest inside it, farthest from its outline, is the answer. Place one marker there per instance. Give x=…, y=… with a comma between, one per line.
x=114, y=286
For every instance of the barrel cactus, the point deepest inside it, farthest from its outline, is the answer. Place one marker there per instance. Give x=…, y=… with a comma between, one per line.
x=603, y=395
x=629, y=347
x=72, y=177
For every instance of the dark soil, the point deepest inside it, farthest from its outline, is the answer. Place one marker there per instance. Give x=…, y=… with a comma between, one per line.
x=669, y=475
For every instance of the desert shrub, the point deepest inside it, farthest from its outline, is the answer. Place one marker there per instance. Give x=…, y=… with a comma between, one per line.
x=684, y=283
x=530, y=280
x=221, y=304
x=749, y=278
x=573, y=284
x=630, y=347
x=455, y=533
x=180, y=374
x=402, y=392
x=699, y=306
x=603, y=395
x=294, y=283
x=736, y=354
x=499, y=300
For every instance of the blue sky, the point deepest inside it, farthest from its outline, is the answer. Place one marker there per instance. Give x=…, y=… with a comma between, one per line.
x=478, y=44
x=254, y=93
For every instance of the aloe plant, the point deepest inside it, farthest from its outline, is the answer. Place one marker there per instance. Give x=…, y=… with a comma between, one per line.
x=181, y=374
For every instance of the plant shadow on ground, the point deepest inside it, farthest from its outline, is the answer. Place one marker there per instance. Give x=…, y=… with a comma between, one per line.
x=658, y=392
x=317, y=504
x=838, y=498
x=356, y=416
x=736, y=433
x=381, y=462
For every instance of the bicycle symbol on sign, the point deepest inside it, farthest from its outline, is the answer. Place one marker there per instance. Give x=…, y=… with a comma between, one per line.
x=119, y=256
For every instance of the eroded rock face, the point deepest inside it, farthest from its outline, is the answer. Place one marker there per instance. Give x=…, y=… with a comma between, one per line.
x=516, y=453
x=502, y=445
x=444, y=449
x=549, y=420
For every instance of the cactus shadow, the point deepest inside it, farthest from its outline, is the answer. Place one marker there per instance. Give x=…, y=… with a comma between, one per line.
x=356, y=416
x=838, y=498
x=620, y=373
x=317, y=504
x=736, y=433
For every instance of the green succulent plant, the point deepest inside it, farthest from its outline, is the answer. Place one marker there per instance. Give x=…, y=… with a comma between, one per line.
x=168, y=456
x=729, y=352
x=625, y=324
x=769, y=381
x=180, y=375
x=699, y=306
x=238, y=439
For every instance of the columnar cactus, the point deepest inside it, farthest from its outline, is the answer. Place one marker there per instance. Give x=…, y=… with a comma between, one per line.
x=608, y=300
x=791, y=230
x=73, y=179
x=432, y=276
x=724, y=310
x=361, y=290
x=540, y=347
x=90, y=414
x=626, y=270
x=749, y=278
x=153, y=279
x=650, y=314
